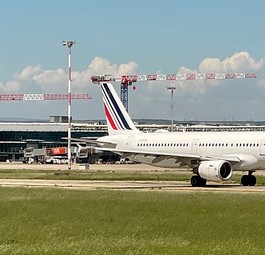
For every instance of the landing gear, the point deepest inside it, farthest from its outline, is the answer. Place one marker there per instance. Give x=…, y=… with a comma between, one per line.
x=197, y=181
x=248, y=180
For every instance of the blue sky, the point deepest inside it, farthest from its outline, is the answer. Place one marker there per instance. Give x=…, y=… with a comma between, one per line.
x=134, y=37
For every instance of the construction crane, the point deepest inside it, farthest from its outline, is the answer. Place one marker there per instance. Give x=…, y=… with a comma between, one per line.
x=40, y=97
x=127, y=80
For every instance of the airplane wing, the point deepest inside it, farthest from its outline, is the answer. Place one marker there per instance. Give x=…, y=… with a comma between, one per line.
x=93, y=142
x=231, y=159
x=188, y=159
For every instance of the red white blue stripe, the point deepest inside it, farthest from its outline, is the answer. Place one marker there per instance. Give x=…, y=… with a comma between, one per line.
x=114, y=112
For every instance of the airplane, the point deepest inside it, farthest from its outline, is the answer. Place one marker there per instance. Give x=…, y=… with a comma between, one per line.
x=211, y=156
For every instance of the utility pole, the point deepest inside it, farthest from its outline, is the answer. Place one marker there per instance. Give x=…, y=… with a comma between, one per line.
x=171, y=105
x=69, y=44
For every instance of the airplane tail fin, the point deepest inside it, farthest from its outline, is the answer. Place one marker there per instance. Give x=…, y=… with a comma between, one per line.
x=118, y=119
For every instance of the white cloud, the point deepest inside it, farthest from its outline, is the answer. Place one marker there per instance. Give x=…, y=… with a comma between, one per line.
x=10, y=86
x=100, y=66
x=238, y=62
x=28, y=73
x=129, y=68
x=50, y=81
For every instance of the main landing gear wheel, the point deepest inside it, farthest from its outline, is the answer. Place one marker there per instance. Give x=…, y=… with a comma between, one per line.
x=197, y=181
x=248, y=180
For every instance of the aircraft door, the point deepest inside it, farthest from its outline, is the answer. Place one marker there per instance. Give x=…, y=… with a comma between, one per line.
x=262, y=148
x=129, y=141
x=194, y=148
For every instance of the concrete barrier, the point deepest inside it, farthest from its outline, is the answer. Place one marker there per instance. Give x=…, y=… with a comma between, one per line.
x=84, y=167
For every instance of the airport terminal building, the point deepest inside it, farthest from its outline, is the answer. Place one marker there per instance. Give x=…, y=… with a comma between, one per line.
x=16, y=137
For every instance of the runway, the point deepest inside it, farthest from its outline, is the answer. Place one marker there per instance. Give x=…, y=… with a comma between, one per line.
x=128, y=185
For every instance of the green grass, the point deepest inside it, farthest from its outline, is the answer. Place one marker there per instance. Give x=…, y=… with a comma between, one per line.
x=56, y=221
x=95, y=175
x=122, y=175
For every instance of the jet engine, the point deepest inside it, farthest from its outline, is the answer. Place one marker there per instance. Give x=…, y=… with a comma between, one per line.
x=218, y=170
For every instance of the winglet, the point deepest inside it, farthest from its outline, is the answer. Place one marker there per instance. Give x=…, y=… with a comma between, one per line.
x=118, y=120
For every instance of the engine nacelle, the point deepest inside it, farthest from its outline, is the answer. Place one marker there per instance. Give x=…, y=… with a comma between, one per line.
x=218, y=170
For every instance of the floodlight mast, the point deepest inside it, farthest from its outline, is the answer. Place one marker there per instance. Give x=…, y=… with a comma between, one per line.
x=69, y=44
x=171, y=105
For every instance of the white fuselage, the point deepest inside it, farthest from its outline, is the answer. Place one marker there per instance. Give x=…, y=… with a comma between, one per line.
x=249, y=147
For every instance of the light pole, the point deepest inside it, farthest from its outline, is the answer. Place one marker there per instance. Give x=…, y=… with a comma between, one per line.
x=69, y=44
x=171, y=105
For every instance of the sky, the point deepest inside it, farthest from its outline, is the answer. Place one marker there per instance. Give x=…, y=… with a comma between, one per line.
x=134, y=37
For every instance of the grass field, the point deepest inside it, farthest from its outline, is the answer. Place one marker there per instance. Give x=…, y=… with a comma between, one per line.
x=94, y=175
x=57, y=221
x=122, y=175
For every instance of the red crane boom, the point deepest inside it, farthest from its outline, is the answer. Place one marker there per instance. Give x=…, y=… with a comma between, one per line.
x=127, y=80
x=39, y=97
